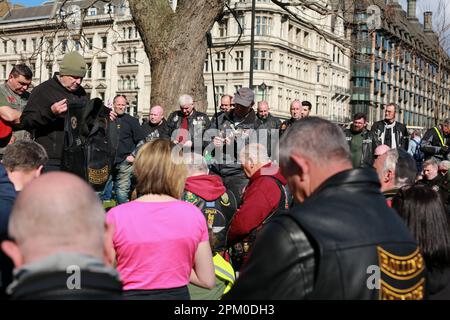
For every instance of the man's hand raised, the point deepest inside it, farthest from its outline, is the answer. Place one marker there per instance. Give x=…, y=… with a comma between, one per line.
x=59, y=107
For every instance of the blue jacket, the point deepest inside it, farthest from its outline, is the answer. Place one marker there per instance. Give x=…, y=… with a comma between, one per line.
x=7, y=197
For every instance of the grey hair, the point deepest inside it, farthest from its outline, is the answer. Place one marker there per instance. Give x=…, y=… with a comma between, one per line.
x=391, y=160
x=445, y=163
x=317, y=139
x=185, y=99
x=256, y=152
x=195, y=163
x=394, y=105
x=402, y=165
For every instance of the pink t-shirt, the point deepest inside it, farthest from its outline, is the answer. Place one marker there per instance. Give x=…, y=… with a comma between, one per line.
x=155, y=242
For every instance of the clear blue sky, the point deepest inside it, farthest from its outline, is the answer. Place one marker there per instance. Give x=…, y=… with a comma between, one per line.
x=28, y=3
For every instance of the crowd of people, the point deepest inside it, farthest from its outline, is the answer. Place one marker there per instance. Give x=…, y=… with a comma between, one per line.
x=239, y=206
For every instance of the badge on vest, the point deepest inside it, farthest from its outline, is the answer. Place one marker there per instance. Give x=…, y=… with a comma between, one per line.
x=225, y=200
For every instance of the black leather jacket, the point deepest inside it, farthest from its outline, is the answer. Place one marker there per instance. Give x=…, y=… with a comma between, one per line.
x=432, y=146
x=368, y=146
x=198, y=122
x=326, y=247
x=400, y=131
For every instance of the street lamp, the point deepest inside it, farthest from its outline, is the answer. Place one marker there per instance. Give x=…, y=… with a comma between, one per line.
x=135, y=112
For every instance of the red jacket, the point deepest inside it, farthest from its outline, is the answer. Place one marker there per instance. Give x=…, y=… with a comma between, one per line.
x=261, y=197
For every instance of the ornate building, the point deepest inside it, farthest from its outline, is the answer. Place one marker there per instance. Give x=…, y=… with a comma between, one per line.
x=398, y=60
x=340, y=66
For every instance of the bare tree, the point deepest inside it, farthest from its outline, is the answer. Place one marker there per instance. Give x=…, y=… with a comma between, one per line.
x=175, y=42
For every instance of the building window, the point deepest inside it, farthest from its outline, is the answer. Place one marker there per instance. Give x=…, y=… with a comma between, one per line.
x=108, y=8
x=130, y=32
x=239, y=60
x=49, y=71
x=33, y=68
x=128, y=56
x=263, y=25
x=262, y=60
x=220, y=61
x=289, y=66
x=306, y=71
x=281, y=62
x=92, y=11
x=4, y=71
x=24, y=44
x=223, y=28
x=89, y=43
x=5, y=46
x=120, y=83
x=14, y=46
x=104, y=42
x=306, y=39
x=318, y=73
x=206, y=65
x=241, y=24
x=280, y=98
x=219, y=91
x=89, y=70
x=237, y=87
x=102, y=70
x=102, y=95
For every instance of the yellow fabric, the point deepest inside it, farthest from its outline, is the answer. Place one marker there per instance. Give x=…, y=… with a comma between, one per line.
x=224, y=271
x=440, y=136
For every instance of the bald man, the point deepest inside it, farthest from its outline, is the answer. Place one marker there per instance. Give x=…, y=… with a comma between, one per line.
x=156, y=127
x=59, y=249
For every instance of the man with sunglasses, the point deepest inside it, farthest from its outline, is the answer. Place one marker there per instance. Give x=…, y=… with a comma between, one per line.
x=13, y=98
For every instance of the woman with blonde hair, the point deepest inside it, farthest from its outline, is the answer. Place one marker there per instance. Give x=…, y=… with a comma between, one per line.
x=160, y=242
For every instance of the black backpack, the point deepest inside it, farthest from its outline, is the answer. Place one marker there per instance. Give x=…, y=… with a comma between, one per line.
x=90, y=142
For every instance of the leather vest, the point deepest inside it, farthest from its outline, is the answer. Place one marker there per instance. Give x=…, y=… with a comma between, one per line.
x=363, y=249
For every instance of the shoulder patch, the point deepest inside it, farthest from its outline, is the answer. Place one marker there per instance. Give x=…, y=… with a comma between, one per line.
x=225, y=200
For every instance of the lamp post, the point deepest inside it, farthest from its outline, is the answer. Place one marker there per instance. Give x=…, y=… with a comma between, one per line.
x=137, y=99
x=252, y=45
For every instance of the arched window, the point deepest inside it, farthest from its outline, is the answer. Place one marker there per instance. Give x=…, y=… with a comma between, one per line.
x=120, y=84
x=128, y=83
x=129, y=56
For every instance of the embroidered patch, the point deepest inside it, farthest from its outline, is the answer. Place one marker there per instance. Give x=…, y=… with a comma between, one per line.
x=225, y=200
x=398, y=272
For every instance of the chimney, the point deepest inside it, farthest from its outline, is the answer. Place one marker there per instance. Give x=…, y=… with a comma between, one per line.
x=412, y=9
x=427, y=21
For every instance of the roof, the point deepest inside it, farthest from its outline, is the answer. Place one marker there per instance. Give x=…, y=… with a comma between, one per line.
x=47, y=9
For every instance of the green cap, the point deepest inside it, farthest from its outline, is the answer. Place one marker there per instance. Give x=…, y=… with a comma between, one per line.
x=73, y=64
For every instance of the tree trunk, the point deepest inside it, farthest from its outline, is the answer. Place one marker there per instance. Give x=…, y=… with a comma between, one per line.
x=175, y=43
